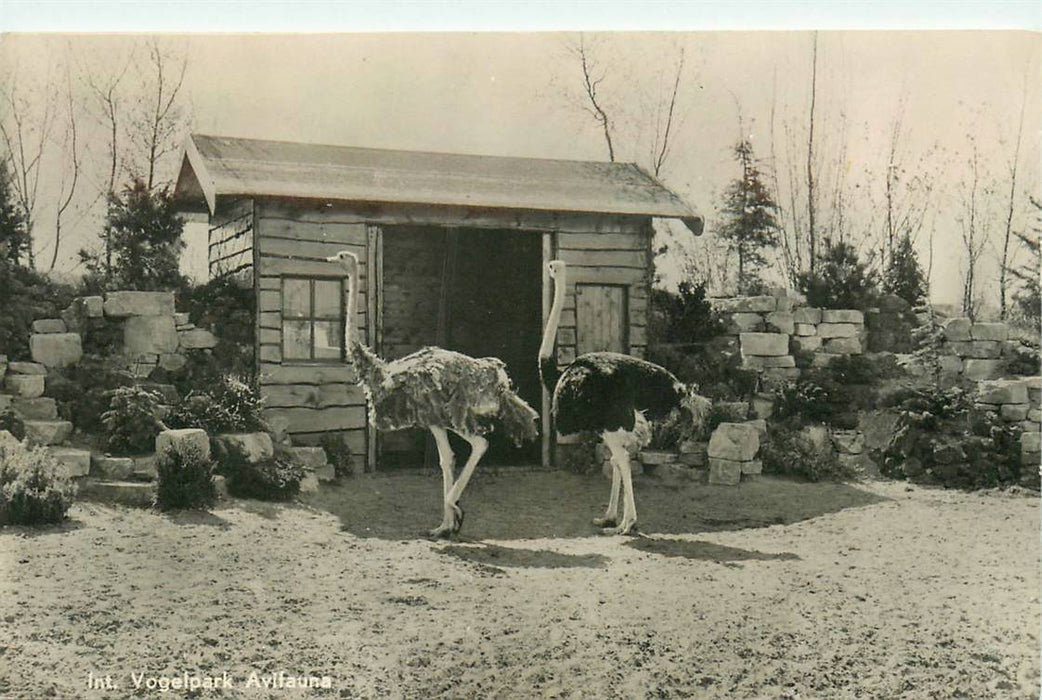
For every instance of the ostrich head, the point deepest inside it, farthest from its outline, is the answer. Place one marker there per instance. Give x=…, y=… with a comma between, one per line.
x=346, y=258
x=556, y=268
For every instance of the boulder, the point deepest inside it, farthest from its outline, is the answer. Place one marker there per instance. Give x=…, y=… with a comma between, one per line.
x=178, y=440
x=1029, y=442
x=893, y=304
x=734, y=441
x=759, y=362
x=989, y=331
x=197, y=339
x=1002, y=391
x=56, y=349
x=25, y=385
x=838, y=330
x=122, y=304
x=978, y=370
x=309, y=457
x=848, y=442
x=746, y=322
x=876, y=428
x=26, y=368
x=780, y=322
x=977, y=349
x=93, y=306
x=807, y=314
x=107, y=467
x=172, y=361
x=181, y=318
x=950, y=364
x=762, y=405
x=764, y=344
x=47, y=432
x=724, y=472
x=49, y=325
x=253, y=447
x=842, y=316
x=39, y=408
x=76, y=461
x=957, y=329
x=761, y=427
x=843, y=346
x=149, y=335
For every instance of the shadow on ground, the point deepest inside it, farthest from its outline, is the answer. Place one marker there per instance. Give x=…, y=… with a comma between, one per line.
x=529, y=504
x=497, y=556
x=703, y=551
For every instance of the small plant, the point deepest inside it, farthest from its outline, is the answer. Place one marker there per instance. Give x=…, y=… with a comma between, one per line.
x=184, y=479
x=275, y=479
x=233, y=405
x=804, y=401
x=338, y=454
x=34, y=488
x=131, y=423
x=791, y=452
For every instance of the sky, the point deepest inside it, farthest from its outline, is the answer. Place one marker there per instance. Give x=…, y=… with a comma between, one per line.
x=516, y=94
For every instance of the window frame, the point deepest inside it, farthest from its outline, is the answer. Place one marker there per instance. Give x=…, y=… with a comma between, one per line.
x=312, y=319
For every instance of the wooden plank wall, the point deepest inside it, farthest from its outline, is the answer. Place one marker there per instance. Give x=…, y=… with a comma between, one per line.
x=616, y=252
x=230, y=250
x=314, y=398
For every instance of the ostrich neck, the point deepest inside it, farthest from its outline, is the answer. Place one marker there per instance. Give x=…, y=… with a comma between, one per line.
x=352, y=307
x=546, y=349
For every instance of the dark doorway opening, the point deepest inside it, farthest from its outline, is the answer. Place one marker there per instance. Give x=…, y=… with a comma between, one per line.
x=476, y=291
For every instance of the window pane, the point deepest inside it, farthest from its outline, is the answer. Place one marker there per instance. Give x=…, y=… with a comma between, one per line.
x=296, y=298
x=329, y=301
x=329, y=338
x=296, y=340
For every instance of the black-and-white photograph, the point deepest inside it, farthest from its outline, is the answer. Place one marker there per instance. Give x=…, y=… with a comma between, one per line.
x=583, y=363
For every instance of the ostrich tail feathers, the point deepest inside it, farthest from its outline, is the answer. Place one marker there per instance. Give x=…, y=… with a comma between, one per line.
x=518, y=420
x=371, y=369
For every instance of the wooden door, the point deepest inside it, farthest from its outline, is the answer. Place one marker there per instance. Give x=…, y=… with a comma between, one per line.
x=601, y=318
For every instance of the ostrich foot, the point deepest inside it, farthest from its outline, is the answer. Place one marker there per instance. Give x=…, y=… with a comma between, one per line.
x=630, y=529
x=604, y=522
x=457, y=517
x=442, y=532
x=447, y=530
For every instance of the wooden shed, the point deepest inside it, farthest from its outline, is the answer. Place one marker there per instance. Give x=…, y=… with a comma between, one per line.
x=453, y=250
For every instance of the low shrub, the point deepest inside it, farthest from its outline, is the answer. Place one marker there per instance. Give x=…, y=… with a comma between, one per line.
x=791, y=452
x=34, y=488
x=131, y=422
x=276, y=479
x=184, y=479
x=804, y=401
x=232, y=405
x=83, y=391
x=338, y=454
x=27, y=295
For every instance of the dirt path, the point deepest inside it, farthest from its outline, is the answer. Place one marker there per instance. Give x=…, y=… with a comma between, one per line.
x=888, y=593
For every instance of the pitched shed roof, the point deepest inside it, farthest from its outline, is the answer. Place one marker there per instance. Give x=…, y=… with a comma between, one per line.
x=217, y=166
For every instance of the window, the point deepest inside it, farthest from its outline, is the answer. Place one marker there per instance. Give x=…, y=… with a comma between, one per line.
x=312, y=319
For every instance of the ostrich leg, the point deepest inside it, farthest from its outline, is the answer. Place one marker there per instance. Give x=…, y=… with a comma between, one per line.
x=612, y=513
x=478, y=446
x=447, y=460
x=620, y=458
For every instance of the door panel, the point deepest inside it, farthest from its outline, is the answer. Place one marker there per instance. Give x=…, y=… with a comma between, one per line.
x=601, y=318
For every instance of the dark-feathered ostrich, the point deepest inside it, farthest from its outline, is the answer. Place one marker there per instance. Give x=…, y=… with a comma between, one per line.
x=438, y=390
x=612, y=395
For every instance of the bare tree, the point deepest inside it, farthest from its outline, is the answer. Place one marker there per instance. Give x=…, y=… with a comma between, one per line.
x=1014, y=160
x=155, y=128
x=70, y=176
x=26, y=128
x=811, y=232
x=973, y=223
x=661, y=144
x=592, y=77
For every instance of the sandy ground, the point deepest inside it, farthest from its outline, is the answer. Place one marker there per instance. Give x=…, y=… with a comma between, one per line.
x=876, y=590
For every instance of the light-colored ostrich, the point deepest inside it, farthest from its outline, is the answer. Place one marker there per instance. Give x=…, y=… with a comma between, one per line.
x=438, y=390
x=612, y=395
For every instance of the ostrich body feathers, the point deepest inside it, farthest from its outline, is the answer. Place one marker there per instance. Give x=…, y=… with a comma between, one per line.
x=442, y=388
x=603, y=391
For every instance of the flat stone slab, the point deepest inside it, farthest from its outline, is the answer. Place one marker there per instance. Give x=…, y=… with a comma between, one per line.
x=843, y=346
x=28, y=386
x=77, y=461
x=759, y=304
x=309, y=457
x=197, y=339
x=128, y=493
x=47, y=432
x=842, y=316
x=780, y=322
x=838, y=330
x=1002, y=391
x=26, y=368
x=49, y=325
x=804, y=329
x=104, y=466
x=764, y=344
x=989, y=331
x=1014, y=412
x=56, y=349
x=655, y=457
x=759, y=362
x=254, y=447
x=807, y=343
x=122, y=304
x=39, y=408
x=1030, y=442
x=181, y=318
x=147, y=335
x=977, y=349
x=978, y=370
x=746, y=322
x=807, y=314
x=956, y=329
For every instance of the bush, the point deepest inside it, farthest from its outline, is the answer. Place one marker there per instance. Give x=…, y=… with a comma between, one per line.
x=840, y=281
x=83, y=392
x=34, y=488
x=338, y=454
x=714, y=367
x=805, y=402
x=184, y=479
x=227, y=307
x=275, y=479
x=27, y=295
x=131, y=423
x=232, y=405
x=790, y=452
x=685, y=317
